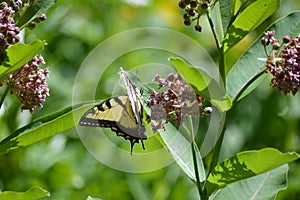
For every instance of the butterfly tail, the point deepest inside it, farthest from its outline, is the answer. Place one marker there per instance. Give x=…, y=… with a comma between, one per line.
x=131, y=146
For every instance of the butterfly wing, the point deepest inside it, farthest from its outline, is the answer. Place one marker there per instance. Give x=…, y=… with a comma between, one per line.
x=135, y=99
x=115, y=113
x=134, y=96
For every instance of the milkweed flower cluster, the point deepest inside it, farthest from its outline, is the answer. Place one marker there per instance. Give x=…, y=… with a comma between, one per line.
x=29, y=84
x=174, y=103
x=283, y=62
x=8, y=31
x=194, y=9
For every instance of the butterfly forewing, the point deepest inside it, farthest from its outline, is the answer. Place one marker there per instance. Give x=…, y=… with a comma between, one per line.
x=134, y=97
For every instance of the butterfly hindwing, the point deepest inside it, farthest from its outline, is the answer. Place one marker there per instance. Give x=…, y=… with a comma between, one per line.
x=115, y=113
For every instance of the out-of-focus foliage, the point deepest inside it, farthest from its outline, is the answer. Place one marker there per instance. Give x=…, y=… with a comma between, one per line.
x=62, y=166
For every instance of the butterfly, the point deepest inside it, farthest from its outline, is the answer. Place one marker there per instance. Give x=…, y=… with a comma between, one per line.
x=122, y=114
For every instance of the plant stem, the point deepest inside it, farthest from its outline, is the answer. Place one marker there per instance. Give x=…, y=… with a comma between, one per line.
x=3, y=96
x=222, y=71
x=213, y=30
x=196, y=170
x=252, y=79
x=221, y=54
x=222, y=65
x=195, y=157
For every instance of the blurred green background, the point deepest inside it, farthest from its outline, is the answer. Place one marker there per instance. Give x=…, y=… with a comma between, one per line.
x=65, y=168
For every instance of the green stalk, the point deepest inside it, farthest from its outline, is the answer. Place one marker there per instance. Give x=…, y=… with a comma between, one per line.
x=252, y=79
x=220, y=50
x=222, y=66
x=194, y=155
x=192, y=133
x=213, y=30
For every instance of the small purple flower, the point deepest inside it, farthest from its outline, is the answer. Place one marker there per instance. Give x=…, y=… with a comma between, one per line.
x=270, y=33
x=283, y=63
x=174, y=103
x=42, y=17
x=29, y=84
x=8, y=31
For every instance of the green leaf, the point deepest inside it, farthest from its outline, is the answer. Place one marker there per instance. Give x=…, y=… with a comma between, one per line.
x=18, y=55
x=260, y=187
x=33, y=193
x=236, y=5
x=249, y=19
x=225, y=9
x=44, y=127
x=34, y=10
x=248, y=67
x=245, y=165
x=198, y=78
x=203, y=84
x=180, y=148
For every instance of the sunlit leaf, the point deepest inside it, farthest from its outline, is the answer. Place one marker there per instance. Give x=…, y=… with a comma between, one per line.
x=43, y=128
x=248, y=20
x=33, y=193
x=263, y=186
x=245, y=165
x=18, y=55
x=195, y=77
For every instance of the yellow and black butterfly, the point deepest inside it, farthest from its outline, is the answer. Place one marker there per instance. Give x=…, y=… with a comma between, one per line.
x=123, y=114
